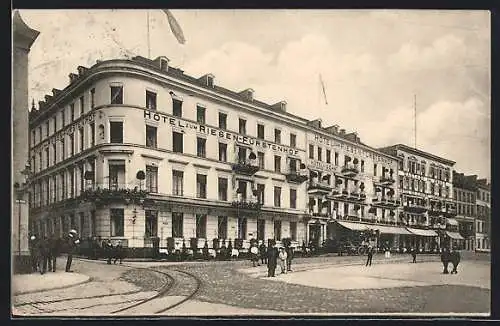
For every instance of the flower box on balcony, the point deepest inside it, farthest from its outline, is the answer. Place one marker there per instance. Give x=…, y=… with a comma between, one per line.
x=294, y=177
x=246, y=205
x=245, y=168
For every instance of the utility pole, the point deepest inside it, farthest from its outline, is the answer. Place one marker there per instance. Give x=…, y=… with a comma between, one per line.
x=149, y=41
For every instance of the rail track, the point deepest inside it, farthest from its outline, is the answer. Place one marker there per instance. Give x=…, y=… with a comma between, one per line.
x=183, y=286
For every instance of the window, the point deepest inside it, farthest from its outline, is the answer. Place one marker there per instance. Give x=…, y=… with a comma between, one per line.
x=201, y=226
x=177, y=224
x=328, y=156
x=47, y=128
x=116, y=174
x=293, y=140
x=242, y=129
x=223, y=189
x=81, y=143
x=151, y=100
x=116, y=94
x=293, y=231
x=261, y=229
x=72, y=111
x=54, y=153
x=277, y=136
x=277, y=196
x=152, y=179
x=63, y=118
x=222, y=227
x=375, y=169
x=222, y=152
x=63, y=186
x=151, y=226
x=222, y=120
x=82, y=105
x=260, y=157
x=177, y=138
x=311, y=152
x=177, y=108
x=55, y=123
x=242, y=154
x=92, y=98
x=201, y=145
x=260, y=131
x=117, y=222
x=242, y=228
x=151, y=136
x=277, y=163
x=336, y=158
x=242, y=189
x=362, y=166
x=319, y=154
x=92, y=134
x=47, y=157
x=293, y=198
x=93, y=223
x=116, y=131
x=200, y=114
x=293, y=165
x=177, y=183
x=201, y=186
x=260, y=193
x=277, y=230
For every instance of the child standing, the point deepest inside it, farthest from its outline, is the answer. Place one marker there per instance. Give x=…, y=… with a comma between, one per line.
x=282, y=257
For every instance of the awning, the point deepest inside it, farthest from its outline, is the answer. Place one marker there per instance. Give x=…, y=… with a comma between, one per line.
x=390, y=229
x=454, y=235
x=451, y=221
x=353, y=226
x=422, y=232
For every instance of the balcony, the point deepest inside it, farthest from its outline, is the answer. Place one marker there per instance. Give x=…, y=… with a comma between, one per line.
x=113, y=194
x=386, y=202
x=249, y=205
x=324, y=215
x=316, y=187
x=350, y=170
x=246, y=167
x=414, y=208
x=296, y=177
x=386, y=180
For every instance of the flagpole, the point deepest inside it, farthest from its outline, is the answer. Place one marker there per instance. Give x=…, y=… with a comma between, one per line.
x=149, y=41
x=415, y=117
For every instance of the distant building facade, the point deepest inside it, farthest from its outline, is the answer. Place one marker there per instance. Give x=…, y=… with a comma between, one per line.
x=464, y=194
x=483, y=218
x=426, y=187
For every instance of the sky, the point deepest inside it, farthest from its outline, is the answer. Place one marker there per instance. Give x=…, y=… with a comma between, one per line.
x=376, y=65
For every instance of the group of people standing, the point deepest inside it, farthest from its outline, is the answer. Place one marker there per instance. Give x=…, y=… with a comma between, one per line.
x=448, y=257
x=45, y=250
x=272, y=256
x=113, y=253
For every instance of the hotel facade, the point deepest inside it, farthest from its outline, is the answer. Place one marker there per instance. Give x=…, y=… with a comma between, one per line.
x=464, y=194
x=136, y=150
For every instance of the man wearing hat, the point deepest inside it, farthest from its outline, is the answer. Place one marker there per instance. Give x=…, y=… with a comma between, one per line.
x=33, y=244
x=73, y=241
x=369, y=256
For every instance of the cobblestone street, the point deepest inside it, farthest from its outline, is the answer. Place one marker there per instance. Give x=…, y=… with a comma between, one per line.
x=319, y=285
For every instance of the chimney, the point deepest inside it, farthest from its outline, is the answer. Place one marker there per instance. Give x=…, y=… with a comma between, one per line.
x=81, y=70
x=280, y=106
x=247, y=94
x=72, y=77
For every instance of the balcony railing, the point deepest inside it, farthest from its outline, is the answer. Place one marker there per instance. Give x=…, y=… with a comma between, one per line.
x=315, y=186
x=247, y=167
x=388, y=202
x=296, y=176
x=102, y=196
x=386, y=180
x=247, y=204
x=350, y=170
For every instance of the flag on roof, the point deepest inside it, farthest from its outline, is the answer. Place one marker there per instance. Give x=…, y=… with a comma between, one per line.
x=323, y=88
x=175, y=27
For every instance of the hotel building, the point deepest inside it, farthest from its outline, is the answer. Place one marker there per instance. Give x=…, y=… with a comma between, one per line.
x=464, y=194
x=426, y=187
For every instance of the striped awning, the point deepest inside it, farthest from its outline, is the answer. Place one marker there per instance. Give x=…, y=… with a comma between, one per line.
x=390, y=229
x=451, y=221
x=422, y=232
x=353, y=226
x=454, y=235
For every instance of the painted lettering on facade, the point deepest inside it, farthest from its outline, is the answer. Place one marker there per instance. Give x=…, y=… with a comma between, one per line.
x=349, y=149
x=223, y=134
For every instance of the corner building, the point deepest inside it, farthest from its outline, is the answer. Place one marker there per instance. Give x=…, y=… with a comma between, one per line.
x=483, y=218
x=135, y=150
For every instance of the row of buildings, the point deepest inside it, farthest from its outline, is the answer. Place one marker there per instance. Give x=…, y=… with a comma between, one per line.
x=135, y=150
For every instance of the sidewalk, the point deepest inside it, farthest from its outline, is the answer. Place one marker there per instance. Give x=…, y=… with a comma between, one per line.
x=29, y=283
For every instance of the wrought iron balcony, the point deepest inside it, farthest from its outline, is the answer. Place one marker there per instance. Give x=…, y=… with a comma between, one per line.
x=296, y=177
x=386, y=180
x=350, y=170
x=247, y=205
x=318, y=187
x=321, y=215
x=248, y=167
x=387, y=202
x=102, y=196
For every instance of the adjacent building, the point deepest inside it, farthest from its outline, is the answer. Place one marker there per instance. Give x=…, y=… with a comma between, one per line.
x=464, y=194
x=426, y=188
x=483, y=218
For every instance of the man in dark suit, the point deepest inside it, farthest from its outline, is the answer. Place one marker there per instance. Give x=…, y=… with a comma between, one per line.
x=289, y=257
x=118, y=252
x=455, y=260
x=72, y=243
x=33, y=245
x=54, y=249
x=43, y=254
x=272, y=260
x=262, y=253
x=445, y=259
x=369, y=256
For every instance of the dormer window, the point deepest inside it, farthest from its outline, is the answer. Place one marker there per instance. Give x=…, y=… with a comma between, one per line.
x=210, y=81
x=163, y=64
x=283, y=106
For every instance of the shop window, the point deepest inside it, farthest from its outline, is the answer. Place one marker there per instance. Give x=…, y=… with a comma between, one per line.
x=222, y=227
x=201, y=225
x=242, y=228
x=293, y=231
x=177, y=225
x=277, y=230
x=117, y=222
x=261, y=228
x=151, y=226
